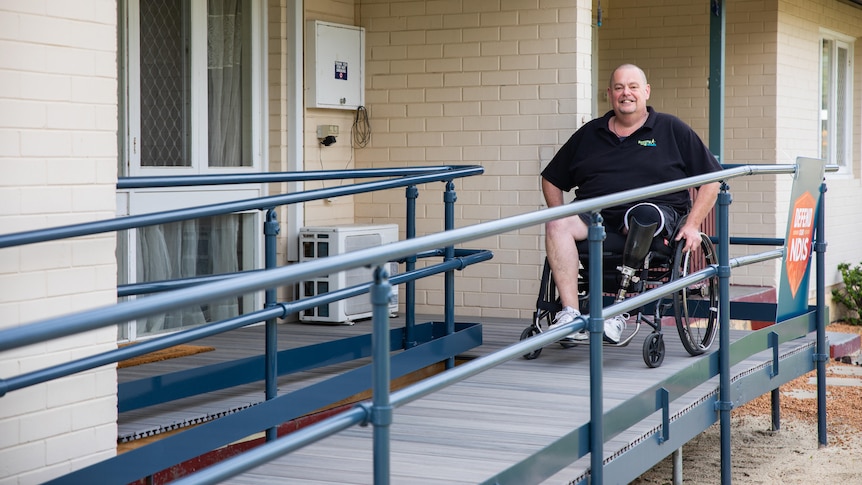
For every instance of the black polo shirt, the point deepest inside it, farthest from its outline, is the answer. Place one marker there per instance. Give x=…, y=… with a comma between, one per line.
x=595, y=162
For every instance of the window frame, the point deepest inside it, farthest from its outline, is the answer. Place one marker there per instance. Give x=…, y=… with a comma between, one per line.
x=838, y=41
x=253, y=77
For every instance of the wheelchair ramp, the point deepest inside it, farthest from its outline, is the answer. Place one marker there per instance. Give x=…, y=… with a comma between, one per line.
x=480, y=427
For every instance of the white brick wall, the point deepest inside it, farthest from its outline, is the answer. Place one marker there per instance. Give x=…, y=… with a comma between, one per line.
x=496, y=83
x=798, y=45
x=771, y=78
x=339, y=156
x=473, y=82
x=58, y=157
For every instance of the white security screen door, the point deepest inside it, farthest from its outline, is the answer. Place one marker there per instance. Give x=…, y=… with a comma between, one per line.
x=192, y=106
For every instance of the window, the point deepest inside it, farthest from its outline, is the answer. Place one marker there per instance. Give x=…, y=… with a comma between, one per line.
x=190, y=86
x=191, y=77
x=836, y=101
x=200, y=247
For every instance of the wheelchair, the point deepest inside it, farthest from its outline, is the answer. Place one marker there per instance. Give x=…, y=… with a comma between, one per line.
x=633, y=264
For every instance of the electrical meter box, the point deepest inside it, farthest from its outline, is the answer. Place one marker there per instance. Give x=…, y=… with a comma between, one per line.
x=335, y=66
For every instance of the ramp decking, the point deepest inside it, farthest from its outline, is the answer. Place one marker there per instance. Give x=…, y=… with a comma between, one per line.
x=463, y=434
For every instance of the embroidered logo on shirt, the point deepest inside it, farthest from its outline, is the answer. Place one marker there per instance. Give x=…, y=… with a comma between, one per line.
x=647, y=143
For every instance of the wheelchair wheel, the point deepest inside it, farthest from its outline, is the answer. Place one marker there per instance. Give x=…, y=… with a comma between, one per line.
x=527, y=333
x=695, y=307
x=653, y=350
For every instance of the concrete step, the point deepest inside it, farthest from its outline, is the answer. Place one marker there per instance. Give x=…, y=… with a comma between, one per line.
x=840, y=344
x=843, y=344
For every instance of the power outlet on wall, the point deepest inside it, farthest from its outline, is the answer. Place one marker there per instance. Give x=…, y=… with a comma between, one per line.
x=327, y=130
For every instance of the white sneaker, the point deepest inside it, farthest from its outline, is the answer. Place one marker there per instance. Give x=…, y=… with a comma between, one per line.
x=565, y=316
x=580, y=336
x=614, y=327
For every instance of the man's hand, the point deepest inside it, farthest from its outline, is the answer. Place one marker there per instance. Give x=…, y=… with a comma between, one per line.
x=691, y=234
x=701, y=205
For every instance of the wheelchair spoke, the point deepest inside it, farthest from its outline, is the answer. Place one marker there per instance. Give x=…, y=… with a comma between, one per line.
x=695, y=307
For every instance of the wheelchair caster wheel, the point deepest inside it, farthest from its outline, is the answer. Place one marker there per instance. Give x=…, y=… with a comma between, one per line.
x=527, y=333
x=654, y=350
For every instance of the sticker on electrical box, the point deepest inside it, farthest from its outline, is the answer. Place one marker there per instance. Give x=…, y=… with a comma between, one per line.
x=341, y=70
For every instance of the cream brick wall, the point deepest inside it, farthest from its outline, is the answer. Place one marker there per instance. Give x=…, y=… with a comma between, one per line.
x=503, y=85
x=772, y=65
x=340, y=155
x=474, y=82
x=750, y=132
x=799, y=42
x=58, y=160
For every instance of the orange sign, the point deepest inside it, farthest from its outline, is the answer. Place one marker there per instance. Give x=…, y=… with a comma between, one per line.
x=799, y=240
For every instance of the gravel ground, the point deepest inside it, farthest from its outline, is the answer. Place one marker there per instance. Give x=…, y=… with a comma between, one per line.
x=792, y=454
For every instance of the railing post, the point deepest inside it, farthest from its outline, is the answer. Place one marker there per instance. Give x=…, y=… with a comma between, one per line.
x=724, y=404
x=596, y=235
x=449, y=198
x=775, y=395
x=822, y=351
x=381, y=410
x=270, y=231
x=412, y=193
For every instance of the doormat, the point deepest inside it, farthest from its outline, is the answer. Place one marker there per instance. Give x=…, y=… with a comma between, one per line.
x=164, y=354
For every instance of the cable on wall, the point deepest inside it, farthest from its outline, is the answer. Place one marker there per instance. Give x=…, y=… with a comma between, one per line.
x=361, y=128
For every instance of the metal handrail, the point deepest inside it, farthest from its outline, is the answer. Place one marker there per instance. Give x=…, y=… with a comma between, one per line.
x=280, y=310
x=376, y=257
x=269, y=451
x=126, y=311
x=148, y=182
x=260, y=203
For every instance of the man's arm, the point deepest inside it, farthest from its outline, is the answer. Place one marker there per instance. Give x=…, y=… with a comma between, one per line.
x=553, y=194
x=703, y=202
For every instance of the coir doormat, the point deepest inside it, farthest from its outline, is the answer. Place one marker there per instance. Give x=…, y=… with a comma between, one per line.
x=165, y=354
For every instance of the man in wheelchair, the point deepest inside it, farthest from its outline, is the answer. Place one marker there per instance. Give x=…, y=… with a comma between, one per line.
x=630, y=146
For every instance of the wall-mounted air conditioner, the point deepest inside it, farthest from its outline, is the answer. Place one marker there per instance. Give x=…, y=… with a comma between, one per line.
x=320, y=242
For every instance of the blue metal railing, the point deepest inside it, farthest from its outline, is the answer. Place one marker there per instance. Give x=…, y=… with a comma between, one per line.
x=146, y=392
x=430, y=174
x=379, y=411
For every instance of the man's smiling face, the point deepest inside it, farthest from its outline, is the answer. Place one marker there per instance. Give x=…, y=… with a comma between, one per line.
x=628, y=91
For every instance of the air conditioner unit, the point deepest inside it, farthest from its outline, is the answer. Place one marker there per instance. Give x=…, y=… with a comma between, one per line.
x=320, y=242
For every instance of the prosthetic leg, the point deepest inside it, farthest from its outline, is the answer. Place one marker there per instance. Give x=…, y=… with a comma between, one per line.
x=638, y=242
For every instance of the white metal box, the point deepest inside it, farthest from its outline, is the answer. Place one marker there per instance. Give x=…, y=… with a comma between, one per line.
x=335, y=65
x=320, y=242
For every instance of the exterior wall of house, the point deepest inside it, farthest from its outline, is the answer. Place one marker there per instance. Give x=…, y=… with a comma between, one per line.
x=340, y=155
x=751, y=123
x=800, y=25
x=670, y=41
x=58, y=160
x=771, y=109
x=497, y=83
x=484, y=82
x=500, y=84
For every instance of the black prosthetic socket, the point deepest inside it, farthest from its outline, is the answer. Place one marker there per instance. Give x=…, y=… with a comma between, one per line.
x=638, y=242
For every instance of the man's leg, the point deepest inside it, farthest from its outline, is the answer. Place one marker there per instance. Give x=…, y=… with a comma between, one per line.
x=647, y=213
x=561, y=237
x=658, y=220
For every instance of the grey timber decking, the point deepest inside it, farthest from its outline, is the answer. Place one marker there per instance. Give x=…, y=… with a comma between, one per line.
x=463, y=434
